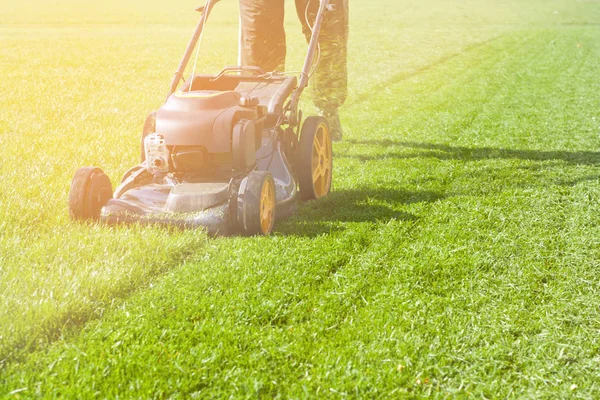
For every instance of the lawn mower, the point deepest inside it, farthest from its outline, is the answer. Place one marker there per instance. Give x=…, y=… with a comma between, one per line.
x=229, y=152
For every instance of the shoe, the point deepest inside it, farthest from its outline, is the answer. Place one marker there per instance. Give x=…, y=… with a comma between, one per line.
x=335, y=127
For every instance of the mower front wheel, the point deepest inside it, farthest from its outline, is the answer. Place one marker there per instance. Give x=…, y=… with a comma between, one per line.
x=315, y=162
x=256, y=204
x=90, y=191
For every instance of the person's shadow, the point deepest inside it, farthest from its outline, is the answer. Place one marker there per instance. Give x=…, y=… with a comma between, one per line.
x=364, y=204
x=399, y=149
x=447, y=152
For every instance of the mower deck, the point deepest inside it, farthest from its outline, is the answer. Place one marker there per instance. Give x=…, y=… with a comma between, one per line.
x=210, y=205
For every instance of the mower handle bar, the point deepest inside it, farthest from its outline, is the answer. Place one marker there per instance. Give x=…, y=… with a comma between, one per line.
x=304, y=75
x=190, y=48
x=313, y=46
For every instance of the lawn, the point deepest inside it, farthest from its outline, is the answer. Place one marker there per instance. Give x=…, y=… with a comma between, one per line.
x=458, y=254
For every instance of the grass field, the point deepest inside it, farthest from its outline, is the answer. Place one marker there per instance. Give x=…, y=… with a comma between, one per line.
x=457, y=255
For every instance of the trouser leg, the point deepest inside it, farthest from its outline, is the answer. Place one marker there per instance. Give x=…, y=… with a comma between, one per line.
x=262, y=36
x=330, y=81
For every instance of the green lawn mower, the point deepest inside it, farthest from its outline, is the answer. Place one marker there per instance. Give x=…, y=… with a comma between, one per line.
x=230, y=153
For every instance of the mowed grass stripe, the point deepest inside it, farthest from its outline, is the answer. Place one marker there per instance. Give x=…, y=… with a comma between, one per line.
x=424, y=103
x=460, y=289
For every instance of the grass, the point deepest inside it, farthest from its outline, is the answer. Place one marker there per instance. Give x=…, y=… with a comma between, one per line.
x=456, y=256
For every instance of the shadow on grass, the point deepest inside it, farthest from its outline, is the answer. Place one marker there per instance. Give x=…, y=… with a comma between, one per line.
x=353, y=205
x=447, y=152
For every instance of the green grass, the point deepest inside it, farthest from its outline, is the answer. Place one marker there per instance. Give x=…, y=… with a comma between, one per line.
x=458, y=254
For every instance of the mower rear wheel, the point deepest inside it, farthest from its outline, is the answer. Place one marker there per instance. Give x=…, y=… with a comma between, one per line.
x=90, y=191
x=256, y=204
x=315, y=162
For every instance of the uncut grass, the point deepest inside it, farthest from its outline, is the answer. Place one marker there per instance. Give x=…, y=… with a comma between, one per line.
x=457, y=255
x=79, y=80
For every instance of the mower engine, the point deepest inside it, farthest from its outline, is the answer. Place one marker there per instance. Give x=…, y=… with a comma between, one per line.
x=205, y=134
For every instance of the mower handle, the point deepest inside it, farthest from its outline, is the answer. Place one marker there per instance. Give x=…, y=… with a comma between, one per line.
x=324, y=6
x=308, y=62
x=190, y=48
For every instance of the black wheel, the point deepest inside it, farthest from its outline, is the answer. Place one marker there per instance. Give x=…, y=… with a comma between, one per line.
x=90, y=191
x=149, y=127
x=256, y=204
x=315, y=161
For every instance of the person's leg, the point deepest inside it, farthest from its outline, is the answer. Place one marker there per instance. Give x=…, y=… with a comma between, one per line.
x=262, y=36
x=330, y=81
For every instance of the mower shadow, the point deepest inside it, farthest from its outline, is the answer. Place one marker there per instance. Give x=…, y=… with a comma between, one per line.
x=366, y=204
x=447, y=152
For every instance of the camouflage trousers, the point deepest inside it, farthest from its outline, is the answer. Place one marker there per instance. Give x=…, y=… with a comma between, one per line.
x=263, y=44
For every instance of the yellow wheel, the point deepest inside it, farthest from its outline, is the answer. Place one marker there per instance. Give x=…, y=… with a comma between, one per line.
x=267, y=207
x=316, y=159
x=257, y=204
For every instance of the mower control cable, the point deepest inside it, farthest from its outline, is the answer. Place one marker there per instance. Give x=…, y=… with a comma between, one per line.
x=313, y=47
x=190, y=48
